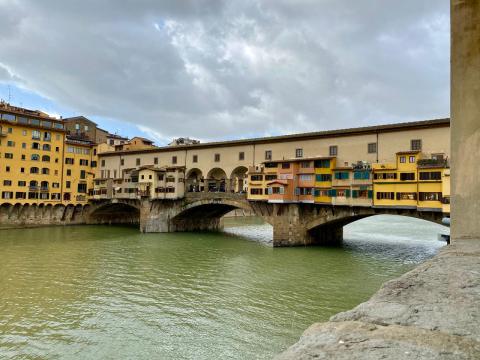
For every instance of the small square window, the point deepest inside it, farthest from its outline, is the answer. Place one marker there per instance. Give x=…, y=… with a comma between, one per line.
x=298, y=153
x=372, y=148
x=412, y=159
x=403, y=159
x=268, y=155
x=416, y=144
x=333, y=150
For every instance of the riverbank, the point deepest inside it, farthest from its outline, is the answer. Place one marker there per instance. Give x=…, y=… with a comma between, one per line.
x=431, y=312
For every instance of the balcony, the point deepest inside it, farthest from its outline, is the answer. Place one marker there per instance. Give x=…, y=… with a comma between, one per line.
x=432, y=163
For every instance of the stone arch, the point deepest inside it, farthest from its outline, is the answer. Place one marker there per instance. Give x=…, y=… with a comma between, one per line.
x=217, y=180
x=205, y=214
x=238, y=180
x=194, y=180
x=113, y=212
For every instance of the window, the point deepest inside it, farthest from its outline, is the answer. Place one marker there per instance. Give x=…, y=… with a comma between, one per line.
x=8, y=117
x=34, y=170
x=46, y=158
x=285, y=165
x=155, y=160
x=7, y=195
x=7, y=168
x=430, y=196
x=407, y=176
x=83, y=162
x=57, y=149
x=35, y=146
x=122, y=162
x=323, y=177
x=276, y=190
x=411, y=159
x=82, y=188
x=217, y=157
x=433, y=175
x=47, y=136
x=69, y=172
x=83, y=174
x=270, y=177
x=416, y=144
x=45, y=171
x=103, y=163
x=195, y=158
x=342, y=175
x=35, y=134
x=306, y=177
x=271, y=165
x=8, y=156
x=298, y=153
x=305, y=164
x=93, y=164
x=385, y=176
x=10, y=130
x=385, y=195
x=22, y=183
x=7, y=182
x=268, y=155
x=22, y=170
x=67, y=184
x=372, y=148
x=174, y=159
x=69, y=161
x=361, y=175
x=256, y=177
x=254, y=191
x=241, y=156
x=333, y=150
x=35, y=157
x=323, y=163
x=24, y=157
x=46, y=147
x=77, y=126
x=406, y=196
x=10, y=143
x=403, y=159
x=24, y=145
x=56, y=185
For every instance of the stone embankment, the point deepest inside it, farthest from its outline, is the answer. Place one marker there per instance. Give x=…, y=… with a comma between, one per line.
x=431, y=312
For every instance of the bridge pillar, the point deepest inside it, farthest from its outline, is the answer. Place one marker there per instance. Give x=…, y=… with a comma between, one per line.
x=465, y=113
x=290, y=227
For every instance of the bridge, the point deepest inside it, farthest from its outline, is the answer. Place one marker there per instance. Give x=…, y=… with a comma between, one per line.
x=295, y=224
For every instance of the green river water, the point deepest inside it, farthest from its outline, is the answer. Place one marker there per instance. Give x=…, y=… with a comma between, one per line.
x=98, y=292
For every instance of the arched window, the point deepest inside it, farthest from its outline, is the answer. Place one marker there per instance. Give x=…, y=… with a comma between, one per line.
x=45, y=171
x=36, y=146
x=46, y=158
x=34, y=170
x=35, y=157
x=46, y=147
x=33, y=184
x=44, y=185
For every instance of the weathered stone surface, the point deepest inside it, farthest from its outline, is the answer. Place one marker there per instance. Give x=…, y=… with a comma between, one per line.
x=357, y=340
x=432, y=312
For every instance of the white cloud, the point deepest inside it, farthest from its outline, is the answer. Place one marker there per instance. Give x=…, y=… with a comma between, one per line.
x=214, y=69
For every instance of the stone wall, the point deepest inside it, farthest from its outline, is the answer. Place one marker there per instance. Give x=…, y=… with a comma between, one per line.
x=16, y=216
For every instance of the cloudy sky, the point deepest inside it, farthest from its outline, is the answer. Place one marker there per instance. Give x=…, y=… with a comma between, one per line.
x=224, y=69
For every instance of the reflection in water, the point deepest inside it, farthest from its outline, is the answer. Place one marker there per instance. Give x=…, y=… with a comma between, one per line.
x=94, y=292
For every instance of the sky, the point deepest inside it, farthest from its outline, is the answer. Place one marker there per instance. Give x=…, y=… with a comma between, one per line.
x=227, y=69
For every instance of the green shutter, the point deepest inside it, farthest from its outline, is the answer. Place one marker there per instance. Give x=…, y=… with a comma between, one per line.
x=370, y=194
x=347, y=193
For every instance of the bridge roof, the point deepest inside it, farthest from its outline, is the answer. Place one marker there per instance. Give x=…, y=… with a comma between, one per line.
x=295, y=137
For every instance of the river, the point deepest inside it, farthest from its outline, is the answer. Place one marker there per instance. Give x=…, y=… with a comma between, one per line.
x=98, y=292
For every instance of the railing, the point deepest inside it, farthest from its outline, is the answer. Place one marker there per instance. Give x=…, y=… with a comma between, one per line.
x=426, y=163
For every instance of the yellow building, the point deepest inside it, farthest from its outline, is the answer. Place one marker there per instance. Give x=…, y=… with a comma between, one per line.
x=80, y=163
x=323, y=179
x=31, y=152
x=413, y=182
